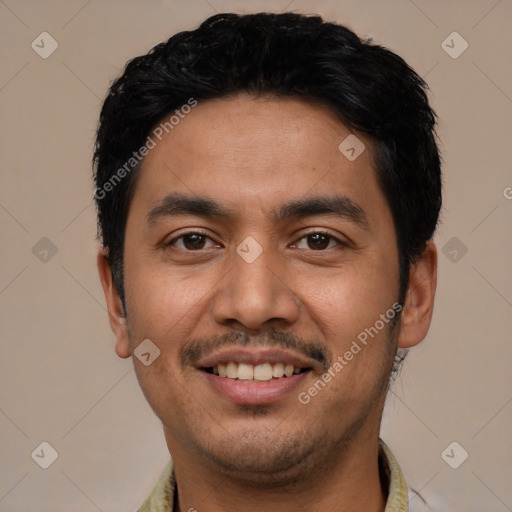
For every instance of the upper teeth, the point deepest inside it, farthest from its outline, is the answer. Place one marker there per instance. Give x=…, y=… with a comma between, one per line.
x=244, y=371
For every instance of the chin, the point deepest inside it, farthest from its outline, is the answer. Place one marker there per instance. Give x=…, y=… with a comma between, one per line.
x=269, y=457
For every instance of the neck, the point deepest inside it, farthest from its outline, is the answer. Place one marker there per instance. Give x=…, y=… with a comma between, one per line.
x=347, y=479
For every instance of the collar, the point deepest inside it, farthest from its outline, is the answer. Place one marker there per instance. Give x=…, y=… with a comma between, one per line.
x=162, y=497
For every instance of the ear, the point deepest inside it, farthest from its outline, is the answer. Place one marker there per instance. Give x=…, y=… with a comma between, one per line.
x=419, y=300
x=114, y=304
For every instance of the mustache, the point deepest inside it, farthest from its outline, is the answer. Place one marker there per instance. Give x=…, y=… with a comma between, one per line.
x=195, y=349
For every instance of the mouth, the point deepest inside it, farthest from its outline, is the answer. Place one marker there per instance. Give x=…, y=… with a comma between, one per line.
x=250, y=378
x=257, y=373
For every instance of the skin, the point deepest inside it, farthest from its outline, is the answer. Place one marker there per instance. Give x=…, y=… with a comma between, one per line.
x=251, y=155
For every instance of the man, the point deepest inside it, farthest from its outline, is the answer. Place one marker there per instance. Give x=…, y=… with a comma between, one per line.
x=268, y=187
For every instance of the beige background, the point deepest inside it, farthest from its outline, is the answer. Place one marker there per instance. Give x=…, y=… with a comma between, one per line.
x=60, y=379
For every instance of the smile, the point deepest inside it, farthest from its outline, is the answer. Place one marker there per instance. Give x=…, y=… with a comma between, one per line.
x=261, y=372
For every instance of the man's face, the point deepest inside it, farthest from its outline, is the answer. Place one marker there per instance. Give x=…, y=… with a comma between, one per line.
x=211, y=297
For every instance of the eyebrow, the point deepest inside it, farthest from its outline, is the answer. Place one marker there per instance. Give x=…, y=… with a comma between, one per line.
x=338, y=206
x=176, y=204
x=181, y=204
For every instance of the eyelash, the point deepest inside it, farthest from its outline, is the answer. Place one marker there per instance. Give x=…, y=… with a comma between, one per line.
x=195, y=232
x=340, y=243
x=203, y=233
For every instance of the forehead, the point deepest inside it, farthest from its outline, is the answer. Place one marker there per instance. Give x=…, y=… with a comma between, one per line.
x=259, y=153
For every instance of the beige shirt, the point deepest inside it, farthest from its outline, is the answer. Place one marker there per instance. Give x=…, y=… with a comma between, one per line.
x=162, y=497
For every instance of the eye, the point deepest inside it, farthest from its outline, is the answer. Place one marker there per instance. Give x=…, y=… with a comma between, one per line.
x=191, y=241
x=318, y=241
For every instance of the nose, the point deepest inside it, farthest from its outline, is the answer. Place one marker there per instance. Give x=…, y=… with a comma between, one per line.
x=255, y=294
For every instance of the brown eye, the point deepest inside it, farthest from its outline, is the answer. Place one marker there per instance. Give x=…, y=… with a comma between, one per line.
x=194, y=241
x=191, y=241
x=318, y=241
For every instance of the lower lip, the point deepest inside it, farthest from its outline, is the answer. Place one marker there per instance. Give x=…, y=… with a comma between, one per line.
x=254, y=392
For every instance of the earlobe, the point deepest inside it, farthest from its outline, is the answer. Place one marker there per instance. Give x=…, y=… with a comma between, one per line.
x=114, y=304
x=419, y=301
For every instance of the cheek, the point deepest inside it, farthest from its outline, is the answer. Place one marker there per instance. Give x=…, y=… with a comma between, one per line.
x=166, y=392
x=160, y=301
x=164, y=311
x=164, y=308
x=347, y=302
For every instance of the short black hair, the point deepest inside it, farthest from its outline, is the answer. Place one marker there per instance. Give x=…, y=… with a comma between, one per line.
x=371, y=89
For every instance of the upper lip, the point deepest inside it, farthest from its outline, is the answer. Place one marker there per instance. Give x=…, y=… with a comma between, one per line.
x=256, y=357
